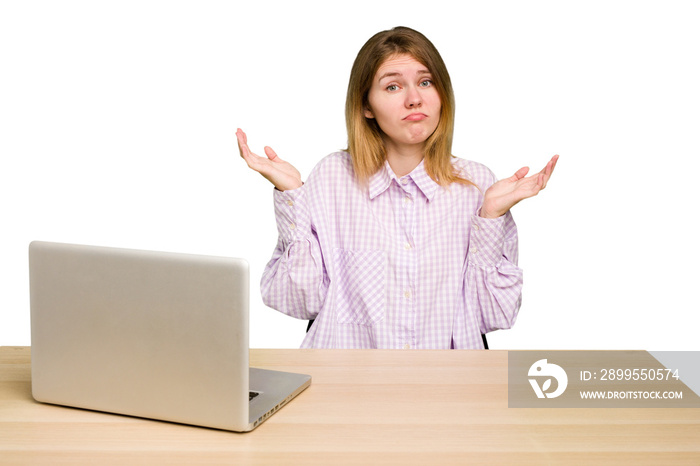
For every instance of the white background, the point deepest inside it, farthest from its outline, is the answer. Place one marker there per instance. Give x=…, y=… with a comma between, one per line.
x=117, y=124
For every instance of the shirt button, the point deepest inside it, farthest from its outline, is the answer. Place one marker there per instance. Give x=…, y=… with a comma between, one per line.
x=290, y=203
x=406, y=294
x=474, y=251
x=475, y=226
x=404, y=181
x=292, y=226
x=406, y=346
x=407, y=246
x=406, y=200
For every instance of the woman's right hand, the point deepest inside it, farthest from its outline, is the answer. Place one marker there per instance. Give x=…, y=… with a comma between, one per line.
x=280, y=173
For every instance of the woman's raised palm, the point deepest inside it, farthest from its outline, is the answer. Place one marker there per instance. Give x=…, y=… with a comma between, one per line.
x=280, y=173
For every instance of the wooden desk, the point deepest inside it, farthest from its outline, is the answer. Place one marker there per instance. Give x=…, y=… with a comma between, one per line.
x=366, y=407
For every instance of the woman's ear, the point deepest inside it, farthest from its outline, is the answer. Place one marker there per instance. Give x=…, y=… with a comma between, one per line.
x=368, y=113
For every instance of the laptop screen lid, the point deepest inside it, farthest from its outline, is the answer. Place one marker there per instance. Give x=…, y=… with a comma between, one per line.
x=149, y=334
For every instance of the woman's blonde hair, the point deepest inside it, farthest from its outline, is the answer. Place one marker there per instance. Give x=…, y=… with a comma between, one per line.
x=365, y=143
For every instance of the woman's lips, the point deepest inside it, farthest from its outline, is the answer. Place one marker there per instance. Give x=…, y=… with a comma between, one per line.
x=416, y=117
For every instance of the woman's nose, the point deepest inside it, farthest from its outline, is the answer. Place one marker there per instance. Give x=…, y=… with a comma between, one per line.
x=413, y=98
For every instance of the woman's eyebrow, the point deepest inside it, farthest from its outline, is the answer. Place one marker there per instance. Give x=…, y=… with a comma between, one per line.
x=391, y=74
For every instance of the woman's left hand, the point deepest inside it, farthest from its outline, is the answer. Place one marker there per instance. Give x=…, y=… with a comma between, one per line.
x=504, y=194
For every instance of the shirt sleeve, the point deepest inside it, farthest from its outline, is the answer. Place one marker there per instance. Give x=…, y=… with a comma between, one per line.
x=493, y=280
x=294, y=281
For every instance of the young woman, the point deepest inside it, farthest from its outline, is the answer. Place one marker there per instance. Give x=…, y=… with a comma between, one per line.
x=395, y=243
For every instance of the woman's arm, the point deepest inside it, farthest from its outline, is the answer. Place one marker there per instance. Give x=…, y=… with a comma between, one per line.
x=493, y=282
x=295, y=281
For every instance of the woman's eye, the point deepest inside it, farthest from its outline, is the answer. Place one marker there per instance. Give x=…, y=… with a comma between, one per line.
x=392, y=87
x=426, y=83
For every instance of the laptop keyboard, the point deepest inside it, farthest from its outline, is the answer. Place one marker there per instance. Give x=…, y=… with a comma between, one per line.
x=252, y=395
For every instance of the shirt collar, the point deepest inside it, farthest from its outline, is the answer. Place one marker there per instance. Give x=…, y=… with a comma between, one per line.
x=381, y=180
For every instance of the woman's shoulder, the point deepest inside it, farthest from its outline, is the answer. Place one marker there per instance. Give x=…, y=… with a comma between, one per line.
x=334, y=165
x=476, y=172
x=335, y=159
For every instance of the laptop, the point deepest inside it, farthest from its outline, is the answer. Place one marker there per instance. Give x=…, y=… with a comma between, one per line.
x=150, y=334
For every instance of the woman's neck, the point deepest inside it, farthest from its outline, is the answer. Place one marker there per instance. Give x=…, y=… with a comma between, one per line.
x=403, y=160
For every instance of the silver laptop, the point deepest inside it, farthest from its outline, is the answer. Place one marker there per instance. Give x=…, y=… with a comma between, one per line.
x=149, y=334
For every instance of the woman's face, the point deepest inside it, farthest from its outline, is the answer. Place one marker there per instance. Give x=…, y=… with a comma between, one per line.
x=404, y=102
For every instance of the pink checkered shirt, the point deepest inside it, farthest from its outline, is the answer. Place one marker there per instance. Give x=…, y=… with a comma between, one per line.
x=398, y=263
